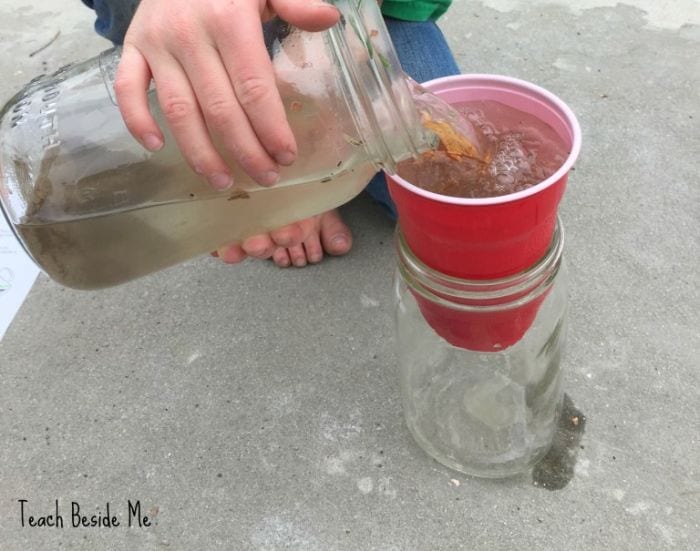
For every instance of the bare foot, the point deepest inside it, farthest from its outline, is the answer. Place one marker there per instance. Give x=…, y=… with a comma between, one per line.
x=298, y=244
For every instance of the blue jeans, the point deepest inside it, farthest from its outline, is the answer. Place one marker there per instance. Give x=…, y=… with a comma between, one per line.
x=422, y=49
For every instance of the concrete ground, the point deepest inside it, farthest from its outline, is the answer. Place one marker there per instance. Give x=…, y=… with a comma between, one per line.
x=253, y=408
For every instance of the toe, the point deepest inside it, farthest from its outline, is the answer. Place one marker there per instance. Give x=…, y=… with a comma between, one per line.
x=289, y=236
x=335, y=235
x=297, y=255
x=231, y=254
x=259, y=246
x=281, y=258
x=313, y=248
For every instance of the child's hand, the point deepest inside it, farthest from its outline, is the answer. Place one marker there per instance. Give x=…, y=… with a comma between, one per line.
x=213, y=79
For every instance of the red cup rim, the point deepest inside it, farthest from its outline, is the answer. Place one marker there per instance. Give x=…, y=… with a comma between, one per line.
x=481, y=201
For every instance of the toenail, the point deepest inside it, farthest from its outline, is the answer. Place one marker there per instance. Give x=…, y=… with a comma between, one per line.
x=299, y=262
x=339, y=241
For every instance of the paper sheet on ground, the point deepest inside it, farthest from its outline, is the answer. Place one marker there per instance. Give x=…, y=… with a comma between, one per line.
x=17, y=275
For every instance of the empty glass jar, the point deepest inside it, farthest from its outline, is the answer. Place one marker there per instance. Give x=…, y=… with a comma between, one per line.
x=488, y=413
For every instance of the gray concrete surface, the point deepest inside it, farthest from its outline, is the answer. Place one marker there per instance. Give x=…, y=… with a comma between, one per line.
x=252, y=408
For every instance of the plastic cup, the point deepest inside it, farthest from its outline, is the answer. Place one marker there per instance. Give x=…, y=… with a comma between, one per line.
x=493, y=237
x=481, y=315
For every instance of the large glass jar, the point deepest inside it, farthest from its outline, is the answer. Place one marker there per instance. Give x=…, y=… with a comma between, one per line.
x=94, y=209
x=488, y=413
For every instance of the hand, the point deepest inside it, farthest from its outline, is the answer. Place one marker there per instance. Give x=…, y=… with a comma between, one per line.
x=214, y=81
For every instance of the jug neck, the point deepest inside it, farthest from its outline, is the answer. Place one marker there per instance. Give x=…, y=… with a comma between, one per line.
x=375, y=87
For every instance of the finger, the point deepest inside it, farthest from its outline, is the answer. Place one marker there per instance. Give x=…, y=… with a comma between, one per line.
x=281, y=258
x=224, y=115
x=254, y=84
x=231, y=254
x=309, y=16
x=259, y=246
x=179, y=106
x=298, y=255
x=131, y=90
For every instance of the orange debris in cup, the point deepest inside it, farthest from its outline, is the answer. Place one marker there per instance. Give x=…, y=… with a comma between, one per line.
x=453, y=143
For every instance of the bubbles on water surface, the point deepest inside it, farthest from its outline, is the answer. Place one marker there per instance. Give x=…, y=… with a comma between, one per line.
x=518, y=152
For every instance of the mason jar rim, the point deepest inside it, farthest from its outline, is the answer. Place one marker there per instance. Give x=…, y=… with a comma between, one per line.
x=384, y=80
x=480, y=294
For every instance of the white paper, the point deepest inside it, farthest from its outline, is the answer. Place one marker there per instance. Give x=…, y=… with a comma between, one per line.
x=17, y=275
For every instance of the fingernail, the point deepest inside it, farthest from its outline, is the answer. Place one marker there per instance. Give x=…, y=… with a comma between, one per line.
x=322, y=4
x=286, y=158
x=152, y=142
x=220, y=180
x=269, y=178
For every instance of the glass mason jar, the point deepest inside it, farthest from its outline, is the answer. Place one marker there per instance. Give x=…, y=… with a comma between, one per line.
x=484, y=413
x=94, y=209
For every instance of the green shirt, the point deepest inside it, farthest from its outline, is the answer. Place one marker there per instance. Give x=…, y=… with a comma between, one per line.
x=415, y=10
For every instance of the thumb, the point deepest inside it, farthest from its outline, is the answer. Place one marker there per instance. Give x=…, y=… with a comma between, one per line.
x=308, y=15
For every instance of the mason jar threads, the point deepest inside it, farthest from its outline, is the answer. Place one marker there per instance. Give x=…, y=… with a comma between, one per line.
x=480, y=361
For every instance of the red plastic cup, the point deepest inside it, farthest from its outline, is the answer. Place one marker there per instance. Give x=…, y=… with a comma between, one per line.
x=493, y=237
x=486, y=239
x=482, y=315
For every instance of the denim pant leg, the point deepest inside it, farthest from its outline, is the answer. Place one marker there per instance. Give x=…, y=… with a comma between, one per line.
x=424, y=55
x=113, y=17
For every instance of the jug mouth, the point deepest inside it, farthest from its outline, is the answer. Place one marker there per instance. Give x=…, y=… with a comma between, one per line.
x=482, y=295
x=375, y=85
x=541, y=103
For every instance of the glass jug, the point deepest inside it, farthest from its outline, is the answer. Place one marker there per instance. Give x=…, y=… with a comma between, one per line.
x=94, y=209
